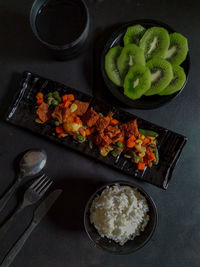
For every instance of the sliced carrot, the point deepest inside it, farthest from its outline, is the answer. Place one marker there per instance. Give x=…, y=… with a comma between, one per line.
x=141, y=166
x=133, y=138
x=66, y=104
x=40, y=101
x=114, y=122
x=151, y=156
x=64, y=98
x=39, y=95
x=130, y=143
x=40, y=98
x=59, y=130
x=70, y=97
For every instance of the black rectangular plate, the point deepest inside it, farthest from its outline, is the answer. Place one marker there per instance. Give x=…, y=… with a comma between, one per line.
x=22, y=113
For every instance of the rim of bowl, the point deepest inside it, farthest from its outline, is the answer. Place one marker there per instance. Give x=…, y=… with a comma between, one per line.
x=140, y=189
x=32, y=20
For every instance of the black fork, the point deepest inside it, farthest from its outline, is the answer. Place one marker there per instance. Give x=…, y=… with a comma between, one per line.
x=32, y=195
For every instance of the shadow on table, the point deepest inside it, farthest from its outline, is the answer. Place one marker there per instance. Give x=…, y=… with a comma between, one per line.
x=18, y=41
x=68, y=211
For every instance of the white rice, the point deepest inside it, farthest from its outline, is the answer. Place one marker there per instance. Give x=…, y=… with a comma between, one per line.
x=119, y=213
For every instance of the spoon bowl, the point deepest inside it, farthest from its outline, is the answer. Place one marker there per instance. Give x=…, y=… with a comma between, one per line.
x=32, y=162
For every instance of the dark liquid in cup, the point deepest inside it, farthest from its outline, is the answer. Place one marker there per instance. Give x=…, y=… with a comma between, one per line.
x=61, y=22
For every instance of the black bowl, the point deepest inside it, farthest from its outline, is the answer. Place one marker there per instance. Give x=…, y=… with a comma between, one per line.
x=68, y=50
x=145, y=102
x=131, y=245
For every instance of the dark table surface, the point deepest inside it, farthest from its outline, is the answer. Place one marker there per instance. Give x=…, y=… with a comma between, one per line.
x=60, y=239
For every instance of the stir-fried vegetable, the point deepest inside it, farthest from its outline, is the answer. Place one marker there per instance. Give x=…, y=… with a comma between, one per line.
x=148, y=133
x=141, y=166
x=80, y=138
x=130, y=143
x=157, y=156
x=40, y=98
x=73, y=117
x=120, y=144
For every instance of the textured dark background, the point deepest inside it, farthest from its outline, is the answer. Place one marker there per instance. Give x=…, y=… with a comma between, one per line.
x=60, y=239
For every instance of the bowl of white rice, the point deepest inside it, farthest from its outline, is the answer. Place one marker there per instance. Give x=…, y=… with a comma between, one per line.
x=120, y=217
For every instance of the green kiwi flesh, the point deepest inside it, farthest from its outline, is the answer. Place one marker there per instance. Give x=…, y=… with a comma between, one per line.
x=177, y=50
x=134, y=34
x=177, y=81
x=137, y=81
x=111, y=65
x=130, y=55
x=155, y=42
x=161, y=75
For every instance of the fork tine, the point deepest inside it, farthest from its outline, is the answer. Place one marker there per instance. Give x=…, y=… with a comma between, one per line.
x=37, y=181
x=41, y=182
x=44, y=189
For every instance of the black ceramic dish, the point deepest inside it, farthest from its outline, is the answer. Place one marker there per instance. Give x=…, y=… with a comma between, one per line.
x=22, y=113
x=131, y=245
x=68, y=50
x=145, y=102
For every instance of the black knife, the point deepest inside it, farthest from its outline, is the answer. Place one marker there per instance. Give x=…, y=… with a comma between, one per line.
x=39, y=213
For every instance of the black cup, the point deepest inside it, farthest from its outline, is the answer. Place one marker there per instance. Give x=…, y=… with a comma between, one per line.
x=68, y=50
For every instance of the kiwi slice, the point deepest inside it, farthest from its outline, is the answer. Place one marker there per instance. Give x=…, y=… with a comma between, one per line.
x=178, y=49
x=111, y=65
x=155, y=42
x=161, y=75
x=177, y=81
x=130, y=55
x=137, y=81
x=134, y=34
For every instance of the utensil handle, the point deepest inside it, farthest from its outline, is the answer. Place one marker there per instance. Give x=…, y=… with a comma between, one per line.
x=4, y=200
x=4, y=228
x=18, y=246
